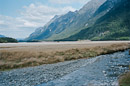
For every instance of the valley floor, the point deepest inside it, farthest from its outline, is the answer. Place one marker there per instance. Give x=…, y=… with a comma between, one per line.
x=19, y=55
x=56, y=46
x=102, y=70
x=61, y=63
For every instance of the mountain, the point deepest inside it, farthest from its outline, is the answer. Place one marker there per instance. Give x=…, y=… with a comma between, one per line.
x=4, y=39
x=114, y=25
x=64, y=26
x=2, y=36
x=7, y=40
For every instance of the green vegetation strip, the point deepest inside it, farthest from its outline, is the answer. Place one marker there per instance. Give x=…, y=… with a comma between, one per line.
x=7, y=40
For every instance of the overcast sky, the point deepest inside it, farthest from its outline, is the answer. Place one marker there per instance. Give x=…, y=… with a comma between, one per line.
x=19, y=18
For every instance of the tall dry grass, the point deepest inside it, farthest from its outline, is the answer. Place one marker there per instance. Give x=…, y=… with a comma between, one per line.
x=10, y=59
x=125, y=79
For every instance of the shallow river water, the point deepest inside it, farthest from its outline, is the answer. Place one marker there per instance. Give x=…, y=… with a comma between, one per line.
x=103, y=70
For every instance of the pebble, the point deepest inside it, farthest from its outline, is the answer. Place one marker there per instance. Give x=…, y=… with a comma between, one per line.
x=33, y=76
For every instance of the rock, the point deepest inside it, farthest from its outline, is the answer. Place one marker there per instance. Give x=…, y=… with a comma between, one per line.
x=62, y=72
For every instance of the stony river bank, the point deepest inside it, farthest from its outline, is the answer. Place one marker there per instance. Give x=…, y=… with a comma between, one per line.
x=102, y=70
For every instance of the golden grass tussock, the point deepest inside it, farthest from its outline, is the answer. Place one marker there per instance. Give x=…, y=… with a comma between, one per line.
x=125, y=79
x=10, y=59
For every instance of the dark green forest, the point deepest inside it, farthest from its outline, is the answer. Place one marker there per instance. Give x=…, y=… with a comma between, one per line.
x=7, y=40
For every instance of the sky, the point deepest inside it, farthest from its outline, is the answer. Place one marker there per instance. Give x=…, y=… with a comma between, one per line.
x=19, y=18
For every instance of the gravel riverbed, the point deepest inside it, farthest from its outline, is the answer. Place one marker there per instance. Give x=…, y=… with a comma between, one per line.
x=101, y=70
x=39, y=74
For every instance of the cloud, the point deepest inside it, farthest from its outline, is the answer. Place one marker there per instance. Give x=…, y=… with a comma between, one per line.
x=68, y=1
x=41, y=14
x=32, y=17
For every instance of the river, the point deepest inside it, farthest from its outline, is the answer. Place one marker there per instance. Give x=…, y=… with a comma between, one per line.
x=100, y=71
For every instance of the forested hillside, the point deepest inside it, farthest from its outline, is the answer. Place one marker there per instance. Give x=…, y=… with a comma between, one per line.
x=115, y=25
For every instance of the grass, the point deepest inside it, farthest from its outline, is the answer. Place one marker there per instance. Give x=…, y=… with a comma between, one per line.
x=125, y=79
x=12, y=59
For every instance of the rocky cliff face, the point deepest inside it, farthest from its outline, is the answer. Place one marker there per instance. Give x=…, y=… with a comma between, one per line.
x=66, y=25
x=107, y=6
x=114, y=25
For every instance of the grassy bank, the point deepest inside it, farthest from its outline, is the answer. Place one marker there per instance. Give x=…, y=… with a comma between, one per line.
x=10, y=59
x=125, y=80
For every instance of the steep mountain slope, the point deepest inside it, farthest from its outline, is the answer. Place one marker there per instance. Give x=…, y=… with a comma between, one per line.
x=66, y=25
x=115, y=25
x=106, y=6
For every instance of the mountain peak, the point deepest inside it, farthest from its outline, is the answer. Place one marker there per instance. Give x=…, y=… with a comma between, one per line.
x=92, y=4
x=68, y=24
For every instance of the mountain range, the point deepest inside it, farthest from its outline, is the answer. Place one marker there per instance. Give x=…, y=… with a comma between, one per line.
x=97, y=20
